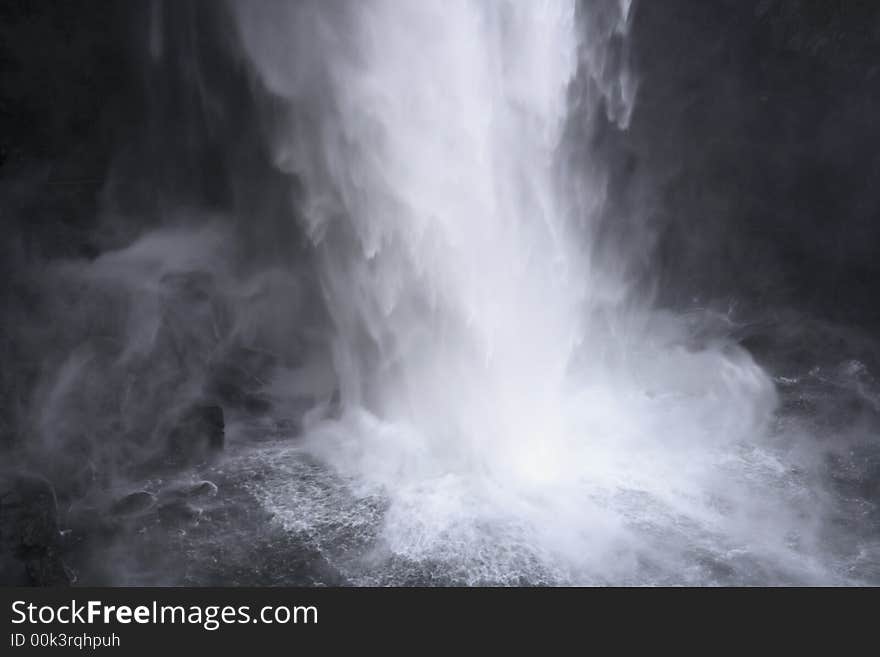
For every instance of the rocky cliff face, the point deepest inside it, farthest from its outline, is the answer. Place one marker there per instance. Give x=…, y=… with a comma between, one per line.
x=754, y=123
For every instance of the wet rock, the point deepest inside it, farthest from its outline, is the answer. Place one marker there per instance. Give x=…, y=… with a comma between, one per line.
x=199, y=432
x=178, y=512
x=133, y=504
x=759, y=345
x=239, y=378
x=287, y=427
x=203, y=489
x=189, y=491
x=30, y=539
x=209, y=419
x=90, y=521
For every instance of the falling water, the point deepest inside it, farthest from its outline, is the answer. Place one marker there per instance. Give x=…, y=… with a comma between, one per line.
x=512, y=408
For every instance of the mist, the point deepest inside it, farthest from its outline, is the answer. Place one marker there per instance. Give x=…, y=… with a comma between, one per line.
x=468, y=293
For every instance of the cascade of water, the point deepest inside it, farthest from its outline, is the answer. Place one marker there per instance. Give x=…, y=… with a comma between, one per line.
x=495, y=390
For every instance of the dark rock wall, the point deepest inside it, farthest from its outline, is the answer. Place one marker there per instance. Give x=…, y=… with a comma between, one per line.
x=755, y=124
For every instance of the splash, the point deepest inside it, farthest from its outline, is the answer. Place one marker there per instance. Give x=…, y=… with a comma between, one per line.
x=519, y=413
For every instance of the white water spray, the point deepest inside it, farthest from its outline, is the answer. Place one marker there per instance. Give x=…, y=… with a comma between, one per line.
x=522, y=419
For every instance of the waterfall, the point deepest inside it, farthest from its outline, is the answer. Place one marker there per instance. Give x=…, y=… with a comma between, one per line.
x=520, y=411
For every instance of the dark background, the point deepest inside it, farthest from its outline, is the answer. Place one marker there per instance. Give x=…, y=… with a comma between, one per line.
x=757, y=119
x=751, y=159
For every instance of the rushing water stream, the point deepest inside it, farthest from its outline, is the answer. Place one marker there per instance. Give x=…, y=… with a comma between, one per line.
x=513, y=411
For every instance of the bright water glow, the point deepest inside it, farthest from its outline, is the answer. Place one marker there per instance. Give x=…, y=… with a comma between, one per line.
x=510, y=412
